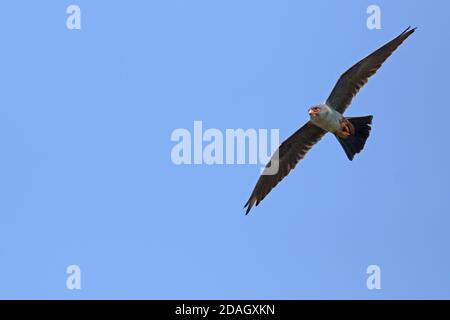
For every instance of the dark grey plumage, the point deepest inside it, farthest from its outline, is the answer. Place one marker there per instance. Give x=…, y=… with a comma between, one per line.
x=292, y=150
x=357, y=76
x=355, y=143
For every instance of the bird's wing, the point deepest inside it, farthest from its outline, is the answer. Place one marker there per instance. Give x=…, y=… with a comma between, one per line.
x=354, y=78
x=289, y=153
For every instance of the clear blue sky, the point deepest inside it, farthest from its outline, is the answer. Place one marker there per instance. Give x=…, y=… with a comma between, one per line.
x=86, y=176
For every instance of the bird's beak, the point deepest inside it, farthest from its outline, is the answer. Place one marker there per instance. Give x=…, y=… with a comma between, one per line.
x=312, y=113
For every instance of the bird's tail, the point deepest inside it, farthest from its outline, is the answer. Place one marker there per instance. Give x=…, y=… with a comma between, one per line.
x=354, y=143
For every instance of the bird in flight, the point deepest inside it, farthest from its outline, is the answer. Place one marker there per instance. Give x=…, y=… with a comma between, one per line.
x=351, y=132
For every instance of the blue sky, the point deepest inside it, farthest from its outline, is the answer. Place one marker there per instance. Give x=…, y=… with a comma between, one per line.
x=86, y=176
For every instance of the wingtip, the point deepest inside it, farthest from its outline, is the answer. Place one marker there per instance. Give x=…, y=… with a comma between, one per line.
x=409, y=30
x=249, y=205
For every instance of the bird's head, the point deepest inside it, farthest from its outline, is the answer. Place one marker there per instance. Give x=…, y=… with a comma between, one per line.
x=314, y=111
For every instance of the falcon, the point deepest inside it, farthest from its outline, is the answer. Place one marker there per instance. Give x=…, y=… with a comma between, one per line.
x=351, y=132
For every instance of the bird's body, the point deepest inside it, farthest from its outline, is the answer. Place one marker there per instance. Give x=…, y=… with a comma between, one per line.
x=351, y=132
x=328, y=119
